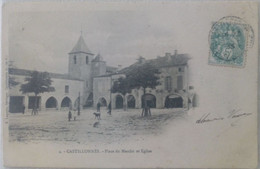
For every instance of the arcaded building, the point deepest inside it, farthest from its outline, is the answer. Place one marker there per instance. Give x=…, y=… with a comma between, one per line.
x=173, y=92
x=89, y=81
x=77, y=83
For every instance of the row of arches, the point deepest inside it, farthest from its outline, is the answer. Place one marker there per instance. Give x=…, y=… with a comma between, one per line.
x=119, y=102
x=171, y=101
x=66, y=102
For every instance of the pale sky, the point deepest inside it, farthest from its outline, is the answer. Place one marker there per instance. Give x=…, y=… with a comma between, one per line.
x=42, y=40
x=121, y=32
x=41, y=35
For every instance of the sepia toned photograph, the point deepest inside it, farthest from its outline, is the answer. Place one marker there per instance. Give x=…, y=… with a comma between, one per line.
x=130, y=84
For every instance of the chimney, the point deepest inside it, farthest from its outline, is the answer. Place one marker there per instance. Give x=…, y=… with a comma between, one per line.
x=175, y=52
x=168, y=56
x=119, y=67
x=141, y=59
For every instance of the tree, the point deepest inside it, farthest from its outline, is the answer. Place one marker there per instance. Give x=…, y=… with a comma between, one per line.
x=122, y=86
x=11, y=80
x=144, y=76
x=141, y=76
x=38, y=82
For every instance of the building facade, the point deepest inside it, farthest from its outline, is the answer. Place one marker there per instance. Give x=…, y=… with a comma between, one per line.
x=89, y=81
x=173, y=92
x=77, y=83
x=66, y=94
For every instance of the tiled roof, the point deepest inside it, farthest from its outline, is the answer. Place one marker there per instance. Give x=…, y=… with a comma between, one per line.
x=98, y=58
x=165, y=61
x=105, y=75
x=160, y=62
x=111, y=69
x=109, y=74
x=24, y=72
x=80, y=46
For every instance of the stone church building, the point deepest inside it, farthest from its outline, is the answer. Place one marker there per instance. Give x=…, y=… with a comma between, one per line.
x=77, y=83
x=89, y=81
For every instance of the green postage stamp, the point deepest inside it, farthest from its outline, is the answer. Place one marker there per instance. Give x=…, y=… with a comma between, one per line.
x=229, y=40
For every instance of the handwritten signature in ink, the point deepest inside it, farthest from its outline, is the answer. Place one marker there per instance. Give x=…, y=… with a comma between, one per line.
x=235, y=113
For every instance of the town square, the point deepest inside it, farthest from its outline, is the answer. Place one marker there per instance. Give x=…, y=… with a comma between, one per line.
x=95, y=102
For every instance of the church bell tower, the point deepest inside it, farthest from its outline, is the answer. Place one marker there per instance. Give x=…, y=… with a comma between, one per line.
x=80, y=67
x=80, y=59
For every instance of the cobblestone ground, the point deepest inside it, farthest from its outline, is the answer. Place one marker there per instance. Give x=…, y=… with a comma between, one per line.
x=122, y=125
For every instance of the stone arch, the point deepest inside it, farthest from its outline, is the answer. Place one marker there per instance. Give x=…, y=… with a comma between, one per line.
x=174, y=101
x=119, y=102
x=66, y=102
x=130, y=101
x=51, y=102
x=150, y=100
x=102, y=101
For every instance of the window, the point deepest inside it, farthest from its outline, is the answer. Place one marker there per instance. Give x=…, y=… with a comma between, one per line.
x=75, y=59
x=66, y=88
x=86, y=59
x=180, y=83
x=168, y=83
x=181, y=69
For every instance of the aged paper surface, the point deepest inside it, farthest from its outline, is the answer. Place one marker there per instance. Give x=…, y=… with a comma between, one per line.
x=130, y=84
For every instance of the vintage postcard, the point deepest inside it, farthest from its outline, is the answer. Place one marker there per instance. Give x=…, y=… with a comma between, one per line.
x=130, y=84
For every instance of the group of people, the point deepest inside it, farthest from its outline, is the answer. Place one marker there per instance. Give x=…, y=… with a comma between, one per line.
x=74, y=115
x=34, y=110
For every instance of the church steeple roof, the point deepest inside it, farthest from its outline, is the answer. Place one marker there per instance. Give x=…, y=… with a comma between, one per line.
x=80, y=46
x=98, y=58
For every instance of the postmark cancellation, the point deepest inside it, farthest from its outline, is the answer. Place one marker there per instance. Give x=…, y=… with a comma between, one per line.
x=229, y=40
